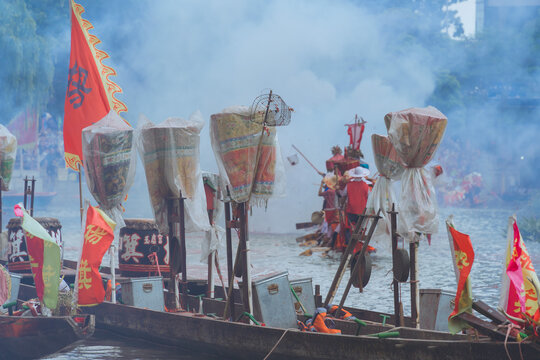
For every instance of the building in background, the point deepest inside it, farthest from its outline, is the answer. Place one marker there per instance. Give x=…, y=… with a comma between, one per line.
x=501, y=14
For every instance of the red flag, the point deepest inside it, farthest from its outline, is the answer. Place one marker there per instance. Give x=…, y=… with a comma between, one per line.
x=98, y=236
x=44, y=255
x=355, y=132
x=463, y=252
x=90, y=93
x=519, y=296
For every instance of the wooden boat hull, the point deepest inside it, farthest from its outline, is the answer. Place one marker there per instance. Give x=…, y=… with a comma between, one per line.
x=243, y=341
x=34, y=337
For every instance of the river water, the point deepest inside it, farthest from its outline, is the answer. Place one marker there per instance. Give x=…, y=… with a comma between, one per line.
x=272, y=252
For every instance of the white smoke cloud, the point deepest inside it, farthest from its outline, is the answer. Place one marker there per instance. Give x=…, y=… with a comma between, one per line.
x=329, y=60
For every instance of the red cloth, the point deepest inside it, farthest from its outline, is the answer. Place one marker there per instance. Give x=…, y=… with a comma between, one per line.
x=358, y=192
x=210, y=193
x=90, y=92
x=98, y=236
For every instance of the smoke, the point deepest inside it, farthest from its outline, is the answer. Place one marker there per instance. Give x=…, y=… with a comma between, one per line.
x=329, y=60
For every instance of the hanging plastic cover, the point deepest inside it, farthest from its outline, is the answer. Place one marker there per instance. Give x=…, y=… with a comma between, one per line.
x=214, y=201
x=8, y=151
x=170, y=154
x=109, y=163
x=382, y=196
x=235, y=141
x=416, y=134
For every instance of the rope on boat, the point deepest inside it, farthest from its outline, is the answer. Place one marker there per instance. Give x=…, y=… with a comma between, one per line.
x=275, y=346
x=510, y=327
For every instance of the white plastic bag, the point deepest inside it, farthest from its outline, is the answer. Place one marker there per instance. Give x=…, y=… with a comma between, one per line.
x=382, y=196
x=170, y=154
x=416, y=134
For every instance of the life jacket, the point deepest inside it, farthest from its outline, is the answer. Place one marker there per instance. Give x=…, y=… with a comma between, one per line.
x=318, y=322
x=108, y=291
x=343, y=314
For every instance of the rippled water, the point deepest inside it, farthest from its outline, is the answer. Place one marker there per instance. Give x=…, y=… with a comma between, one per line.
x=270, y=253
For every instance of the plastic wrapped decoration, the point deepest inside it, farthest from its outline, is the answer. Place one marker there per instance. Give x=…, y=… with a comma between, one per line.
x=8, y=151
x=382, y=196
x=170, y=155
x=235, y=140
x=214, y=199
x=109, y=163
x=416, y=134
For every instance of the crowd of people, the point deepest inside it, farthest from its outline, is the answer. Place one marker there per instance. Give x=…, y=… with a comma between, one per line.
x=345, y=193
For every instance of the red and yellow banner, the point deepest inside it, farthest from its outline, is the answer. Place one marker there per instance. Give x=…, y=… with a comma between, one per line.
x=98, y=236
x=90, y=92
x=519, y=297
x=463, y=252
x=44, y=255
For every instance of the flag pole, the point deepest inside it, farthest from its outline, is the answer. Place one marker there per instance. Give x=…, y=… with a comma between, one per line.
x=112, y=254
x=80, y=193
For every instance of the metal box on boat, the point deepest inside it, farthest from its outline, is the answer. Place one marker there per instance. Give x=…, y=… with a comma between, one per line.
x=143, y=292
x=273, y=301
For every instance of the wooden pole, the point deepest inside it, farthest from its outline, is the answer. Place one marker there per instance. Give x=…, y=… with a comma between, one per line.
x=32, y=192
x=173, y=245
x=183, y=256
x=228, y=236
x=395, y=283
x=80, y=193
x=25, y=195
x=413, y=251
x=112, y=254
x=309, y=162
x=211, y=257
x=210, y=288
x=246, y=276
x=345, y=259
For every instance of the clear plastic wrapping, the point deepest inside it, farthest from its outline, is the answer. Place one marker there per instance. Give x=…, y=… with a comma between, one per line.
x=382, y=196
x=235, y=141
x=416, y=134
x=170, y=155
x=109, y=162
x=8, y=152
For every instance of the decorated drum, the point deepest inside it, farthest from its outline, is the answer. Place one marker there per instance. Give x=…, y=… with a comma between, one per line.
x=18, y=260
x=139, y=239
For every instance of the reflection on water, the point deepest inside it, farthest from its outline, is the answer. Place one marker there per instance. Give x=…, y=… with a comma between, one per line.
x=270, y=253
x=105, y=345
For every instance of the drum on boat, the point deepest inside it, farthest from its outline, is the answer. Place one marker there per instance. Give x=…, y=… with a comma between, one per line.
x=139, y=240
x=18, y=260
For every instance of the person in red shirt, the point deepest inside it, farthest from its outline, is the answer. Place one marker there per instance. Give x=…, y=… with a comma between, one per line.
x=357, y=192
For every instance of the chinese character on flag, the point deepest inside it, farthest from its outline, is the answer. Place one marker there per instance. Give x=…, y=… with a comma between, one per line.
x=90, y=92
x=463, y=253
x=44, y=255
x=98, y=236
